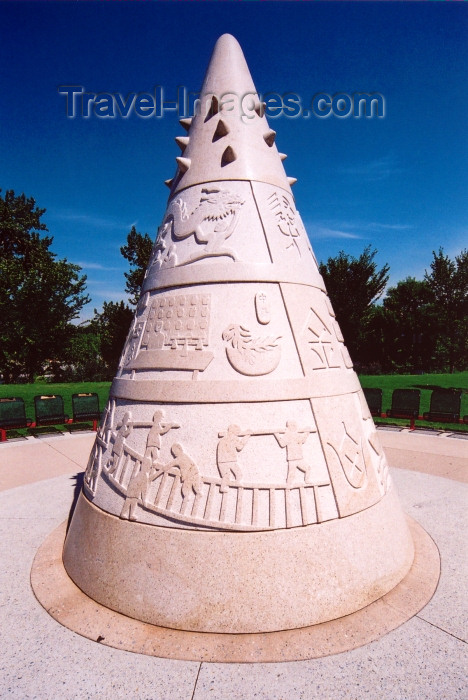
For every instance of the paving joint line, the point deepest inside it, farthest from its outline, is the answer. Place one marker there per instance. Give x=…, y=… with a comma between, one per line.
x=66, y=457
x=196, y=680
x=441, y=629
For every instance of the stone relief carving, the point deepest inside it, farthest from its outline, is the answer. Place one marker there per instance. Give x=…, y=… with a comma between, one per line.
x=339, y=335
x=188, y=470
x=124, y=430
x=133, y=342
x=175, y=334
x=231, y=442
x=352, y=457
x=158, y=428
x=262, y=308
x=212, y=223
x=137, y=488
x=322, y=342
x=164, y=253
x=94, y=466
x=181, y=490
x=382, y=470
x=251, y=356
x=143, y=300
x=293, y=439
x=285, y=215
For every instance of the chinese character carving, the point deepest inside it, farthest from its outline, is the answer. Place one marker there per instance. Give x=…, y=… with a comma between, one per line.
x=285, y=215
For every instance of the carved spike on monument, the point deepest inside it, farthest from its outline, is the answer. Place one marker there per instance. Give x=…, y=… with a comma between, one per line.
x=214, y=108
x=292, y=180
x=169, y=182
x=260, y=108
x=182, y=142
x=235, y=435
x=282, y=156
x=269, y=137
x=184, y=163
x=186, y=122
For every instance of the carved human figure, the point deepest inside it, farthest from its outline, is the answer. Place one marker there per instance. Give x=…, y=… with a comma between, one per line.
x=157, y=430
x=293, y=439
x=231, y=442
x=189, y=474
x=137, y=488
x=123, y=432
x=94, y=467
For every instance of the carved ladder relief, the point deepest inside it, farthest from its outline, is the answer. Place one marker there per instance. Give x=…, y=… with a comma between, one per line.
x=179, y=489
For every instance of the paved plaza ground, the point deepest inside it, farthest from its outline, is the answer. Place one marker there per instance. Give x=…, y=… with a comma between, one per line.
x=424, y=658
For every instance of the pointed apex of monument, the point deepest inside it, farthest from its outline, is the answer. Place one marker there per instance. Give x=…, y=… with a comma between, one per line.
x=228, y=70
x=228, y=41
x=230, y=138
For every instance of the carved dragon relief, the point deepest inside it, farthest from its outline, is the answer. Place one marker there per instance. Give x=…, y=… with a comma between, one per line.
x=212, y=222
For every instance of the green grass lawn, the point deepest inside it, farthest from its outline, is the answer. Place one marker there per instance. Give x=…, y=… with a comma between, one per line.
x=424, y=382
x=28, y=391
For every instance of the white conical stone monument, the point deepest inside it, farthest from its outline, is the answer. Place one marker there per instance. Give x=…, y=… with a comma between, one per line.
x=237, y=483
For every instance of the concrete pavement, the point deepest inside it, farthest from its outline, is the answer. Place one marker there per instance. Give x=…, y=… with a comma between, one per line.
x=424, y=658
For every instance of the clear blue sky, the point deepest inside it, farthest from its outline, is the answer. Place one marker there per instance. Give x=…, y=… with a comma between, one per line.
x=397, y=183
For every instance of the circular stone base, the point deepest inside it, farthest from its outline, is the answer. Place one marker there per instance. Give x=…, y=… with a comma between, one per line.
x=67, y=604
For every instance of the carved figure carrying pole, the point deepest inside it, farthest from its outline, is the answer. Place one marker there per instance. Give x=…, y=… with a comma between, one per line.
x=231, y=442
x=293, y=439
x=157, y=430
x=123, y=432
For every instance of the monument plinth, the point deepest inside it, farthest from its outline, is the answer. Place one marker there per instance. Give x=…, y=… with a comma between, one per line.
x=237, y=483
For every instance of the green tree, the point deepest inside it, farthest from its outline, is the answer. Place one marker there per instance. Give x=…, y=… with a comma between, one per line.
x=112, y=325
x=39, y=295
x=137, y=252
x=410, y=326
x=353, y=285
x=448, y=280
x=83, y=361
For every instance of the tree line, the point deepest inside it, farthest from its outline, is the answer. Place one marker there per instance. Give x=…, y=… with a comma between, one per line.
x=415, y=326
